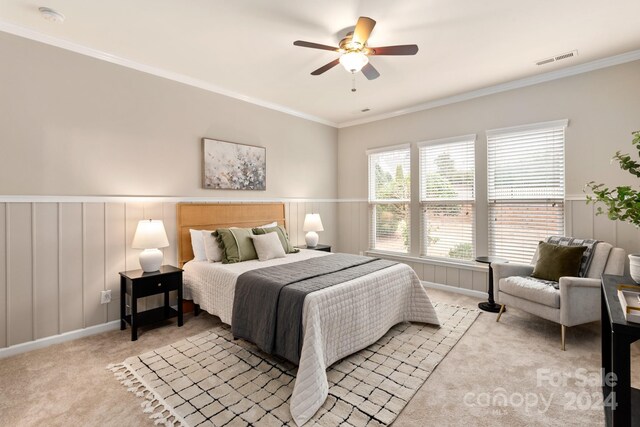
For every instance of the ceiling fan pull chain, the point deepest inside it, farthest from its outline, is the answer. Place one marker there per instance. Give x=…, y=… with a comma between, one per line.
x=353, y=82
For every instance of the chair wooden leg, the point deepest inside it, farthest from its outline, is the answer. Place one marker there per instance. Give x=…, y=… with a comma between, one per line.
x=500, y=312
x=563, y=335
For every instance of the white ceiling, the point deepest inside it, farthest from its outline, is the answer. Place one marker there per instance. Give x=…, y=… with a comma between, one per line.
x=245, y=47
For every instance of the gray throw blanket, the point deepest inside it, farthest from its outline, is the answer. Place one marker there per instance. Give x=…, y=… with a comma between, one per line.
x=268, y=302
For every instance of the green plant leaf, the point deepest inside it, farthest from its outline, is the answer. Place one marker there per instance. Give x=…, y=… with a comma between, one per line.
x=622, y=203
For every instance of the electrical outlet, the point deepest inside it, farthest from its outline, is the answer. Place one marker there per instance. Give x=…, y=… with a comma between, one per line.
x=105, y=297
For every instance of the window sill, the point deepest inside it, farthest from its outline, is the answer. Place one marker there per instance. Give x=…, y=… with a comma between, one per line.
x=464, y=265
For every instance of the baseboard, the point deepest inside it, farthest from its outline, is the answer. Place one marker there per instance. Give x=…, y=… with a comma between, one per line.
x=113, y=325
x=56, y=339
x=463, y=291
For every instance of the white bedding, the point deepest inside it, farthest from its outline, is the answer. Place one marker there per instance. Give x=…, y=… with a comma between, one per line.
x=331, y=332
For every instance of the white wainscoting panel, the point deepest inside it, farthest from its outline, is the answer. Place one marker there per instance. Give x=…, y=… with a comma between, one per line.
x=93, y=262
x=4, y=242
x=583, y=222
x=46, y=266
x=114, y=254
x=70, y=307
x=56, y=258
x=20, y=324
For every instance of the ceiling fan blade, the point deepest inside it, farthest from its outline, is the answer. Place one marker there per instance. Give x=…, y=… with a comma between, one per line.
x=327, y=67
x=315, y=45
x=370, y=72
x=406, y=49
x=363, y=30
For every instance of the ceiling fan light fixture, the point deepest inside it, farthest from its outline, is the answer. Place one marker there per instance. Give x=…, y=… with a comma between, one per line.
x=354, y=61
x=354, y=51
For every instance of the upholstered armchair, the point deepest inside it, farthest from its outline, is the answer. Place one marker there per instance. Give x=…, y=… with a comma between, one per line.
x=577, y=300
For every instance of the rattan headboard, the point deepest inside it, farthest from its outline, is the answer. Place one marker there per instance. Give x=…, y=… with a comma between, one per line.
x=211, y=216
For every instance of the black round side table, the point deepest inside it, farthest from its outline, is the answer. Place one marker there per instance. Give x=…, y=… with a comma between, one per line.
x=490, y=305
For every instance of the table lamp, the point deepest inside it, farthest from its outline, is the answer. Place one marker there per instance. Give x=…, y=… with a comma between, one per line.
x=312, y=223
x=150, y=236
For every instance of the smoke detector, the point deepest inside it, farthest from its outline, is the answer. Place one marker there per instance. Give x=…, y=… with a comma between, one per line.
x=51, y=15
x=558, y=57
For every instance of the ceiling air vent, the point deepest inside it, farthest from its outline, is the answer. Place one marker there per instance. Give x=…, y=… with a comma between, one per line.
x=546, y=61
x=556, y=58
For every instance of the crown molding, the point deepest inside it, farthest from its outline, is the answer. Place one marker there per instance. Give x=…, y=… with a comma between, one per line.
x=503, y=87
x=181, y=78
x=158, y=72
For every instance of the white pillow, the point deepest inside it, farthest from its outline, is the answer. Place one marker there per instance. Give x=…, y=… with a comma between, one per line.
x=211, y=248
x=270, y=225
x=197, y=244
x=268, y=246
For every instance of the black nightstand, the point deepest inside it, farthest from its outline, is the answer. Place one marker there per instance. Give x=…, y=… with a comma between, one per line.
x=138, y=284
x=324, y=248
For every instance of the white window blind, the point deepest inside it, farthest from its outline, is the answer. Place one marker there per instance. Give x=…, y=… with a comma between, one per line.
x=390, y=199
x=525, y=188
x=447, y=197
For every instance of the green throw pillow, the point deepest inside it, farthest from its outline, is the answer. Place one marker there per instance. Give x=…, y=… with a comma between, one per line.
x=556, y=261
x=236, y=244
x=282, y=235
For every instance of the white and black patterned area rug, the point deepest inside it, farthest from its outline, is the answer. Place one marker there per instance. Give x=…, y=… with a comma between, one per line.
x=211, y=380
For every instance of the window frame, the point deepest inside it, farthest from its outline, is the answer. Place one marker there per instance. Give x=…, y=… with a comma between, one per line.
x=422, y=204
x=521, y=203
x=373, y=203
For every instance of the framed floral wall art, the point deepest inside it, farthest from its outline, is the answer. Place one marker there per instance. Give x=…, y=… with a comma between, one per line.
x=232, y=166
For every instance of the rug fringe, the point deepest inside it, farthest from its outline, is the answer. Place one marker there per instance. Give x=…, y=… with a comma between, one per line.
x=160, y=412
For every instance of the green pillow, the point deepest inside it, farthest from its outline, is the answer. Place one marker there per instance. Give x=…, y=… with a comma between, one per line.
x=236, y=244
x=556, y=261
x=282, y=235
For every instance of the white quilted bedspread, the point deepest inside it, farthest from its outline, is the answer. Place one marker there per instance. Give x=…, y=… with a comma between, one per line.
x=337, y=321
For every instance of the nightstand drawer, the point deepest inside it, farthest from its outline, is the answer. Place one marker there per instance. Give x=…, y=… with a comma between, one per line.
x=154, y=285
x=138, y=284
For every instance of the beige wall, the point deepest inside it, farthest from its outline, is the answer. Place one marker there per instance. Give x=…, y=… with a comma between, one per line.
x=602, y=106
x=603, y=109
x=73, y=125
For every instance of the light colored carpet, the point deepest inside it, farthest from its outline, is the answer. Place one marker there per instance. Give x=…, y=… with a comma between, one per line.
x=66, y=384
x=212, y=380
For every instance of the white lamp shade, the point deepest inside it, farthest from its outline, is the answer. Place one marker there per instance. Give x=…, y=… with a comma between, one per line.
x=312, y=222
x=150, y=234
x=354, y=61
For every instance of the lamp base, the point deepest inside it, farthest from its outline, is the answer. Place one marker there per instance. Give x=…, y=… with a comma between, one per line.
x=311, y=238
x=151, y=260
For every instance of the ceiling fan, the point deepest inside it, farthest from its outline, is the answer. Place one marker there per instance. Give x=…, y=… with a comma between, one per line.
x=355, y=52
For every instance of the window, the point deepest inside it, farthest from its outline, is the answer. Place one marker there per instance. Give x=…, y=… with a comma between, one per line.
x=525, y=188
x=390, y=198
x=447, y=197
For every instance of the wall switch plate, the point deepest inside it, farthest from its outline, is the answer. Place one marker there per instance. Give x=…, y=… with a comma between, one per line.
x=105, y=297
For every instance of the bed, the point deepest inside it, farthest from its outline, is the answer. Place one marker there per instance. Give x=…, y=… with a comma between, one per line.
x=336, y=321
